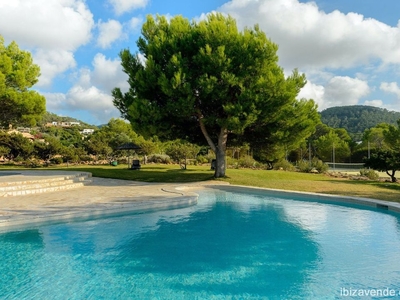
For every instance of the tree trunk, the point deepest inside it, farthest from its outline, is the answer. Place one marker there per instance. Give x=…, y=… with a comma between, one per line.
x=392, y=176
x=220, y=165
x=220, y=149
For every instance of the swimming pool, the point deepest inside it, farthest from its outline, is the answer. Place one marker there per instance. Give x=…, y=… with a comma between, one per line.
x=229, y=245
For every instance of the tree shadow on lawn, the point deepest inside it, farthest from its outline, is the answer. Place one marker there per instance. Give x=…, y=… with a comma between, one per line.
x=385, y=190
x=151, y=175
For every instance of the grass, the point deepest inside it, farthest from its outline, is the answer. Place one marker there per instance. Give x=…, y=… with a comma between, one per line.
x=260, y=178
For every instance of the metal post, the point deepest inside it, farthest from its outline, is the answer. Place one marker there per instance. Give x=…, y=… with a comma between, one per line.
x=333, y=149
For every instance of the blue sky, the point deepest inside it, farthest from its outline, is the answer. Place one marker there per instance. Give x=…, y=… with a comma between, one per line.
x=348, y=49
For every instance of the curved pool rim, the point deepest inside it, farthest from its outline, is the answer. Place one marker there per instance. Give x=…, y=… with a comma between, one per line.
x=366, y=203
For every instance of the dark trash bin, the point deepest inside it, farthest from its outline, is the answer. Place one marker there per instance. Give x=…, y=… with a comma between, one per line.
x=213, y=164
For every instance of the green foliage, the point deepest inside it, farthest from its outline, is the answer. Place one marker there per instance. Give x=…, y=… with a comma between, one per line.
x=371, y=174
x=375, y=137
x=19, y=145
x=201, y=159
x=49, y=117
x=159, y=159
x=247, y=162
x=317, y=164
x=284, y=165
x=304, y=166
x=392, y=136
x=358, y=118
x=385, y=161
x=205, y=80
x=331, y=143
x=18, y=74
x=4, y=150
x=57, y=160
x=180, y=150
x=274, y=139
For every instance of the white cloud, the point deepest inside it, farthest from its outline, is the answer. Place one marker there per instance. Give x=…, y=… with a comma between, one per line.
x=51, y=30
x=109, y=32
x=376, y=103
x=343, y=90
x=338, y=91
x=54, y=101
x=391, y=87
x=92, y=91
x=135, y=23
x=122, y=6
x=64, y=24
x=96, y=104
x=108, y=74
x=308, y=37
x=52, y=62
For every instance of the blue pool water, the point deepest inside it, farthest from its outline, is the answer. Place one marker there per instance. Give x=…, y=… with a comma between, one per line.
x=230, y=245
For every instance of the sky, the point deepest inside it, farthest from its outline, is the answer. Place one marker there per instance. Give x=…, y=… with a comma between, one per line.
x=349, y=50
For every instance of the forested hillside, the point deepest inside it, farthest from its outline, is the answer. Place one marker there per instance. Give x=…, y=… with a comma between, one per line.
x=49, y=117
x=355, y=119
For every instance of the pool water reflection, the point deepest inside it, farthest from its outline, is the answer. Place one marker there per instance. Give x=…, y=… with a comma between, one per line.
x=229, y=245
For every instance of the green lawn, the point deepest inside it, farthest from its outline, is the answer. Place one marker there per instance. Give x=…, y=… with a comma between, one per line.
x=261, y=178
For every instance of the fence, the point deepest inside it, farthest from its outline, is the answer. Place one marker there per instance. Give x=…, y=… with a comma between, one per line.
x=345, y=166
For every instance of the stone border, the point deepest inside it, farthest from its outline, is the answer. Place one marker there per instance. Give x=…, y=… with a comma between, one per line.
x=94, y=213
x=318, y=197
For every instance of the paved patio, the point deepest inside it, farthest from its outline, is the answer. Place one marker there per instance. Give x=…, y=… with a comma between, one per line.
x=103, y=197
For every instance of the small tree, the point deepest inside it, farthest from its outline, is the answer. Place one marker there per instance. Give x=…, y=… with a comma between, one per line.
x=181, y=151
x=18, y=104
x=384, y=161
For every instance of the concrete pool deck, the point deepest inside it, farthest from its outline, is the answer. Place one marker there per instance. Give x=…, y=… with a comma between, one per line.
x=102, y=197
x=111, y=197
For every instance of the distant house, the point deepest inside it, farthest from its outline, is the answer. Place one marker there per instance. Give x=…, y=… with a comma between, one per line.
x=24, y=129
x=24, y=134
x=87, y=131
x=74, y=123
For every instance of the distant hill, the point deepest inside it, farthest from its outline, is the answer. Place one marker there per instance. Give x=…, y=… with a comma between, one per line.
x=49, y=117
x=355, y=119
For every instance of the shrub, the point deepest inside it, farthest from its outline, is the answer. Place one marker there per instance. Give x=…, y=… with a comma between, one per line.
x=247, y=162
x=202, y=159
x=317, y=164
x=371, y=174
x=86, y=158
x=159, y=159
x=304, y=166
x=284, y=165
x=56, y=160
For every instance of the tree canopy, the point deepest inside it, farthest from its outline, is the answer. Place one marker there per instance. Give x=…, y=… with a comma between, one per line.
x=18, y=74
x=202, y=81
x=358, y=118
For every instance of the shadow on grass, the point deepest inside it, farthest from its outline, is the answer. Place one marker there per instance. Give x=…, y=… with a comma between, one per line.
x=384, y=190
x=154, y=174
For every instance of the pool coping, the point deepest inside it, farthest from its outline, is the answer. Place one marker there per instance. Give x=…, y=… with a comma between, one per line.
x=115, y=197
x=319, y=197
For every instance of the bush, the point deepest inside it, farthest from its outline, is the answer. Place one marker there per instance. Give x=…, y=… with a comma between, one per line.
x=56, y=160
x=86, y=158
x=247, y=162
x=284, y=165
x=317, y=164
x=202, y=159
x=304, y=166
x=371, y=174
x=159, y=159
